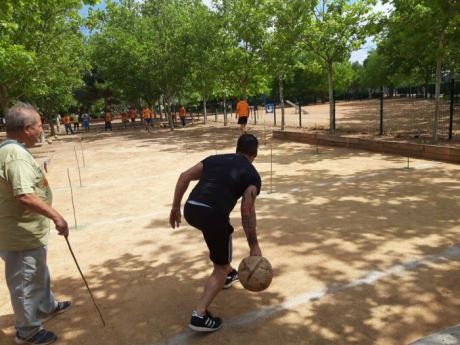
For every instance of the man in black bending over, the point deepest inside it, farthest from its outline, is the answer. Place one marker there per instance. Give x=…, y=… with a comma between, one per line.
x=223, y=179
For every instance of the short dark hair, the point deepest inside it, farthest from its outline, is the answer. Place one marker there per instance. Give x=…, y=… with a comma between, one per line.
x=247, y=144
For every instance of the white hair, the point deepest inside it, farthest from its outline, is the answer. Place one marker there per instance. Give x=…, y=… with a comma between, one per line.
x=19, y=116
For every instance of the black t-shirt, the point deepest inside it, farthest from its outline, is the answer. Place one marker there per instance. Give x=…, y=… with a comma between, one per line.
x=224, y=180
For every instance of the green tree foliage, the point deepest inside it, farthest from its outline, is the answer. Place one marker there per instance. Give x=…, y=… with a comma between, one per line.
x=422, y=37
x=244, y=31
x=203, y=52
x=337, y=28
x=282, y=48
x=117, y=51
x=42, y=54
x=141, y=49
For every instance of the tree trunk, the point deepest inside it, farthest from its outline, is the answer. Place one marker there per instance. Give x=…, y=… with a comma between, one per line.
x=245, y=89
x=438, y=87
x=106, y=103
x=168, y=109
x=51, y=123
x=159, y=109
x=331, y=97
x=225, y=111
x=4, y=99
x=205, y=114
x=154, y=111
x=280, y=85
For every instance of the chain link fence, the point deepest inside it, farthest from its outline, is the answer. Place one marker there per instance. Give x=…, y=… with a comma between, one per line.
x=405, y=112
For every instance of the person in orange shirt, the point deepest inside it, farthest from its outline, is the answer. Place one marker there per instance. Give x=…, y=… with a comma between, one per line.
x=242, y=113
x=182, y=114
x=132, y=116
x=67, y=124
x=147, y=117
x=108, y=120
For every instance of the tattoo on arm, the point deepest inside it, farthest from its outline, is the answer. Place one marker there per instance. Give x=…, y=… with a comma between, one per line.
x=249, y=226
x=249, y=219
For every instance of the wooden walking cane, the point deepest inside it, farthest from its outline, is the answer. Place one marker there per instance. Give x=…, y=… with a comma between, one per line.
x=84, y=279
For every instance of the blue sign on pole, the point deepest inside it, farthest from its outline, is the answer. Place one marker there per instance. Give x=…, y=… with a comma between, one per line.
x=269, y=107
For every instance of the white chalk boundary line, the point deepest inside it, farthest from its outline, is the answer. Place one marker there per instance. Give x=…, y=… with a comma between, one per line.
x=86, y=226
x=118, y=181
x=310, y=297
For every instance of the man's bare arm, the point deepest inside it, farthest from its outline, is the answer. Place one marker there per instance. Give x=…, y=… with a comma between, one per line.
x=194, y=173
x=34, y=203
x=249, y=220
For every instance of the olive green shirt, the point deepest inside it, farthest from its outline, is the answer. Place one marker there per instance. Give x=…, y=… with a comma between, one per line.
x=21, y=228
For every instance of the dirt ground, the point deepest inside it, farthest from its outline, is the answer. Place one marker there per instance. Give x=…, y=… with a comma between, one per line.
x=403, y=118
x=364, y=250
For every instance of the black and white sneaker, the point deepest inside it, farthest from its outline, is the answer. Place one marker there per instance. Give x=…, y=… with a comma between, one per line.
x=206, y=323
x=61, y=307
x=232, y=278
x=42, y=337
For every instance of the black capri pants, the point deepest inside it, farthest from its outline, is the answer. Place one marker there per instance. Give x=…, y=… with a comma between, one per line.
x=216, y=228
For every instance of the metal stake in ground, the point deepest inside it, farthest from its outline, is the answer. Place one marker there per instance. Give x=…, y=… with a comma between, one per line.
x=271, y=164
x=82, y=154
x=265, y=138
x=86, y=283
x=71, y=195
x=78, y=164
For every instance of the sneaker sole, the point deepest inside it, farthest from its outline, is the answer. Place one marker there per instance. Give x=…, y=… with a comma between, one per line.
x=50, y=317
x=229, y=285
x=20, y=341
x=204, y=329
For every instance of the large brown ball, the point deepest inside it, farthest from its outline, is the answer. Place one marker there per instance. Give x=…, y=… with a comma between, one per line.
x=255, y=273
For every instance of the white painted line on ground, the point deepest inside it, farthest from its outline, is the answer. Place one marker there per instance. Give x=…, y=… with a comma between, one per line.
x=309, y=297
x=85, y=226
x=117, y=182
x=448, y=336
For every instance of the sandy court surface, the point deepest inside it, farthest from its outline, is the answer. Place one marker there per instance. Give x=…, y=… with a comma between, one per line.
x=403, y=117
x=364, y=251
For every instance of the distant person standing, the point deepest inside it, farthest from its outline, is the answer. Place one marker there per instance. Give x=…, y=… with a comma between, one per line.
x=67, y=124
x=85, y=118
x=25, y=214
x=132, y=116
x=108, y=120
x=182, y=114
x=57, y=121
x=147, y=117
x=76, y=122
x=242, y=113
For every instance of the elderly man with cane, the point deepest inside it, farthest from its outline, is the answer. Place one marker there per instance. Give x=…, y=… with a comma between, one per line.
x=25, y=211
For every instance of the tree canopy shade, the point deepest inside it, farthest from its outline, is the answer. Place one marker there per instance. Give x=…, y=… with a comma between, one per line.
x=42, y=55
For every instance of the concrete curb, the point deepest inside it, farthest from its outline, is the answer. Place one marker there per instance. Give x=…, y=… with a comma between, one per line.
x=448, y=336
x=430, y=152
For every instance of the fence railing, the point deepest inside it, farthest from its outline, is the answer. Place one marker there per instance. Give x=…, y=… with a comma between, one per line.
x=406, y=112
